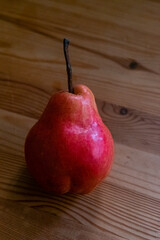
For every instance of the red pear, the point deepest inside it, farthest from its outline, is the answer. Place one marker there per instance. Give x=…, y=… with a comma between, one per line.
x=70, y=149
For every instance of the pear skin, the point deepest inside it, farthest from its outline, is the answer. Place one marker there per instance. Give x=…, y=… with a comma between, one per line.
x=70, y=149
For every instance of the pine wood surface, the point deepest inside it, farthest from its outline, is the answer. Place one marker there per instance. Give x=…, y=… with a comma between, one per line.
x=115, y=50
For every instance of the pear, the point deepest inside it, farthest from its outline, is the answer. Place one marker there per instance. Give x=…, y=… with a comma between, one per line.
x=69, y=149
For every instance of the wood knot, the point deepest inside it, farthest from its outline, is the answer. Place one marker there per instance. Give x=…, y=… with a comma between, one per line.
x=133, y=65
x=123, y=111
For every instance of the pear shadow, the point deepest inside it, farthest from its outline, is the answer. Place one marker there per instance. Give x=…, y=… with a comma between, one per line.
x=68, y=210
x=34, y=196
x=66, y=205
x=77, y=208
x=36, y=215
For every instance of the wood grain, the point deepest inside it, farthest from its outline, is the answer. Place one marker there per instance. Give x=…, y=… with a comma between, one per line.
x=27, y=223
x=115, y=50
x=126, y=204
x=105, y=49
x=131, y=127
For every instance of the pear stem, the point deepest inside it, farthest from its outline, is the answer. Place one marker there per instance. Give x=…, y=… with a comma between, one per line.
x=68, y=65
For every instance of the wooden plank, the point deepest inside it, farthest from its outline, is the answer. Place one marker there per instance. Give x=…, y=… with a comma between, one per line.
x=20, y=222
x=126, y=204
x=130, y=127
x=102, y=53
x=22, y=98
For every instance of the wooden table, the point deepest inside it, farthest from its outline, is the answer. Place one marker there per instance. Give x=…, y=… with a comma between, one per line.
x=115, y=50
